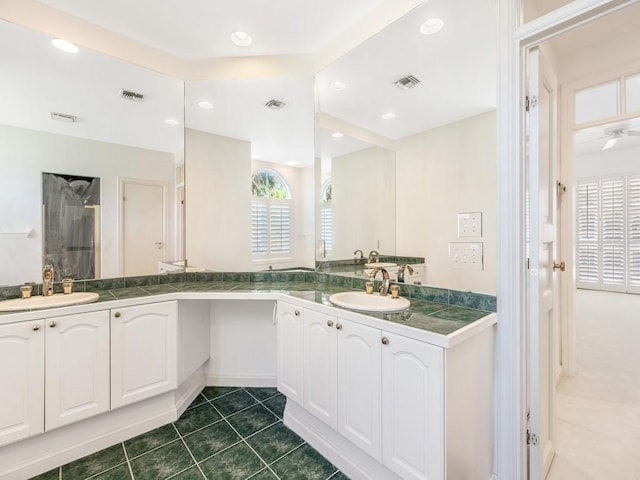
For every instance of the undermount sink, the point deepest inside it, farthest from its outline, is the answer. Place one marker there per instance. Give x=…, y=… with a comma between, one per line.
x=367, y=302
x=380, y=265
x=40, y=302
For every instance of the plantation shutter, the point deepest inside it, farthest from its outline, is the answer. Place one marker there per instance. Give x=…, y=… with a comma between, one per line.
x=633, y=232
x=259, y=225
x=279, y=227
x=613, y=257
x=587, y=199
x=326, y=228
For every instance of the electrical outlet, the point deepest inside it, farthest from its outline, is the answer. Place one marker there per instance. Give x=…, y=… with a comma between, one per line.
x=470, y=224
x=466, y=255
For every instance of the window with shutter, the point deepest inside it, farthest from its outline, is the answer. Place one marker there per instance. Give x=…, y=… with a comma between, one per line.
x=608, y=234
x=326, y=219
x=271, y=222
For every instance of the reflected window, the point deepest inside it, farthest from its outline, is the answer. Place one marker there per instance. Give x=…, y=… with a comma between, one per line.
x=270, y=216
x=326, y=219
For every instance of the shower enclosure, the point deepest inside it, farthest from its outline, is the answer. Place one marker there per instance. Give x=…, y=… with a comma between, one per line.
x=71, y=225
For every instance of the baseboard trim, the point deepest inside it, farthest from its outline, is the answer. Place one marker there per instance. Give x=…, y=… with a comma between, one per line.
x=215, y=380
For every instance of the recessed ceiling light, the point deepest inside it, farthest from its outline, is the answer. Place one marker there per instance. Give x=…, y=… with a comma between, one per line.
x=205, y=104
x=388, y=116
x=431, y=26
x=256, y=156
x=242, y=39
x=63, y=117
x=337, y=86
x=171, y=121
x=337, y=135
x=64, y=45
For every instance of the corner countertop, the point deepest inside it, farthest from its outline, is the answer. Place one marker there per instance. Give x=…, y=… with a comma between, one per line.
x=442, y=324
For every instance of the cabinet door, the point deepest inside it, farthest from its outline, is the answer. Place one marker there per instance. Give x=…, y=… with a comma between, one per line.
x=77, y=367
x=21, y=380
x=412, y=408
x=143, y=352
x=320, y=367
x=290, y=339
x=359, y=383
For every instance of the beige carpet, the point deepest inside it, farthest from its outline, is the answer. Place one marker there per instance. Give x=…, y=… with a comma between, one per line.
x=598, y=411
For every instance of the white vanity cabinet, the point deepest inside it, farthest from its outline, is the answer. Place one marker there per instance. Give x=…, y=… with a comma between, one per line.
x=289, y=333
x=341, y=372
x=76, y=367
x=143, y=352
x=21, y=380
x=413, y=407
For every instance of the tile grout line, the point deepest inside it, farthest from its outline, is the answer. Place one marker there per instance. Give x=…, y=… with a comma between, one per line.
x=126, y=456
x=190, y=454
x=247, y=443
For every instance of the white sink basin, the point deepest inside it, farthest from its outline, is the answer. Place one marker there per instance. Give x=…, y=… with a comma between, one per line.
x=380, y=265
x=38, y=303
x=369, y=302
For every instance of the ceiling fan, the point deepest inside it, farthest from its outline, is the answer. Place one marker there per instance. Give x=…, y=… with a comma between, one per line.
x=616, y=132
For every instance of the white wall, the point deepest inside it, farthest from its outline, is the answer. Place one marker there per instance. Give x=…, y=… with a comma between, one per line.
x=615, y=161
x=363, y=188
x=25, y=154
x=440, y=173
x=218, y=201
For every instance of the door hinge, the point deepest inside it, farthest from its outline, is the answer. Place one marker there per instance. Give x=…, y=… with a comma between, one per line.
x=561, y=188
x=532, y=438
x=528, y=267
x=530, y=102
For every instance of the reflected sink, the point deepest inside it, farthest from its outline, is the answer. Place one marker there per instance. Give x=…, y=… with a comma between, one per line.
x=380, y=265
x=40, y=302
x=366, y=302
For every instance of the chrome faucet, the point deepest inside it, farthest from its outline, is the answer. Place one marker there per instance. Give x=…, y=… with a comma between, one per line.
x=401, y=271
x=47, y=280
x=384, y=288
x=371, y=254
x=361, y=254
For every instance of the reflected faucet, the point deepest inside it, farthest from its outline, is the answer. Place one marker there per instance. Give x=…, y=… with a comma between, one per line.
x=47, y=280
x=384, y=288
x=361, y=254
x=371, y=254
x=401, y=271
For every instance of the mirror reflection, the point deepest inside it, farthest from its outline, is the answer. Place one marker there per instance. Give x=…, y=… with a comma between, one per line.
x=422, y=96
x=249, y=170
x=86, y=115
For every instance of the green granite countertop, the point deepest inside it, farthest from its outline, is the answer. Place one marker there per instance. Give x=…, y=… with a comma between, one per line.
x=435, y=317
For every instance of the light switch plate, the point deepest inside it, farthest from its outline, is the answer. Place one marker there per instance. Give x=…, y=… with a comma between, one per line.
x=470, y=224
x=466, y=255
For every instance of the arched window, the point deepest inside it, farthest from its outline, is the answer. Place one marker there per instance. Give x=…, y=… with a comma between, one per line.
x=326, y=218
x=270, y=216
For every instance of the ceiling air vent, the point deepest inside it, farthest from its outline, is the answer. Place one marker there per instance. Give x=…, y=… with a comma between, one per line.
x=274, y=104
x=63, y=117
x=407, y=82
x=129, y=95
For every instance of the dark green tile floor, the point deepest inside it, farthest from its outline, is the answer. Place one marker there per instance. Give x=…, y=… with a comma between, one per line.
x=227, y=433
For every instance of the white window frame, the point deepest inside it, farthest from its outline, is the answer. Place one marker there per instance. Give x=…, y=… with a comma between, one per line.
x=326, y=220
x=271, y=206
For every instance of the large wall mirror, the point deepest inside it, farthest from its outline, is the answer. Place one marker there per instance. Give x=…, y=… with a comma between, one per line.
x=96, y=144
x=237, y=128
x=406, y=137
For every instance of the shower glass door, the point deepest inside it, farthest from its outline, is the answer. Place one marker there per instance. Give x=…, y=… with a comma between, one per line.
x=71, y=225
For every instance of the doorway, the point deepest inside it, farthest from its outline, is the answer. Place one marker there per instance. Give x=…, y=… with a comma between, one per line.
x=143, y=231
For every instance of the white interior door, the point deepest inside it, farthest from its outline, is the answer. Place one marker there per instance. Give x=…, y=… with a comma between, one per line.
x=143, y=227
x=543, y=288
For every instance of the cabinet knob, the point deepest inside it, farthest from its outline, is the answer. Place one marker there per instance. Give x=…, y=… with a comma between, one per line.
x=117, y=314
x=385, y=341
x=338, y=326
x=329, y=323
x=36, y=327
x=297, y=313
x=52, y=323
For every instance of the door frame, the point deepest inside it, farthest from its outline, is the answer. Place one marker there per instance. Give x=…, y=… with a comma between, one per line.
x=510, y=449
x=122, y=182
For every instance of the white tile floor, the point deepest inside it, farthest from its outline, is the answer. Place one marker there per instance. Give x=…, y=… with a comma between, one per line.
x=598, y=411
